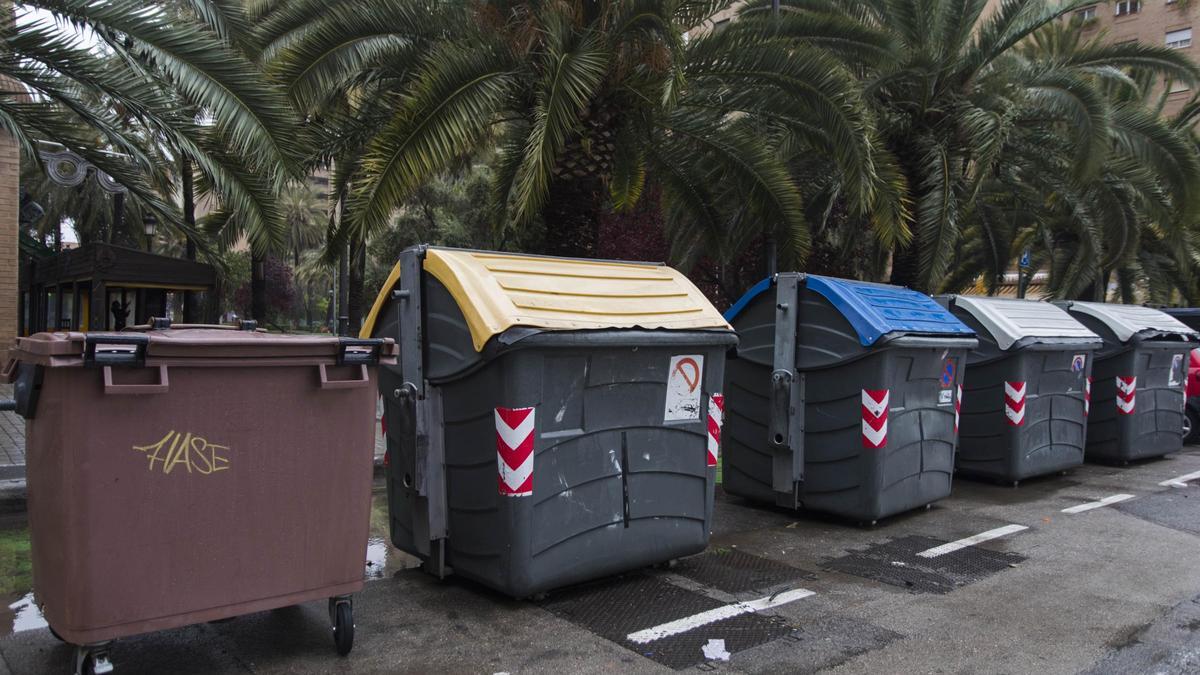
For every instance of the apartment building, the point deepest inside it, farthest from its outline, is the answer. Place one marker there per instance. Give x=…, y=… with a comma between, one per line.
x=1157, y=22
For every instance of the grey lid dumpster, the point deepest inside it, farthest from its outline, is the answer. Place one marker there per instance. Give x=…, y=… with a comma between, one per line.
x=1025, y=392
x=551, y=420
x=842, y=397
x=1139, y=380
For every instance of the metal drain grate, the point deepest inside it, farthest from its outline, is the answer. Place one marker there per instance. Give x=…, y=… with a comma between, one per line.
x=1177, y=508
x=614, y=609
x=897, y=563
x=733, y=571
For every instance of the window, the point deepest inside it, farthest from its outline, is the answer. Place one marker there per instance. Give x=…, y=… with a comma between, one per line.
x=1176, y=87
x=1179, y=39
x=1087, y=13
x=1126, y=7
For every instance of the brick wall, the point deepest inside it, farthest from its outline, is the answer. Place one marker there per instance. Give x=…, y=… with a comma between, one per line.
x=10, y=178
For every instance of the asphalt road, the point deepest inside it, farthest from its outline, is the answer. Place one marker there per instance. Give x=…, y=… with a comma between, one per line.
x=1110, y=589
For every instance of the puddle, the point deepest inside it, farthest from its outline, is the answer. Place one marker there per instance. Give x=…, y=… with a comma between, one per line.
x=383, y=559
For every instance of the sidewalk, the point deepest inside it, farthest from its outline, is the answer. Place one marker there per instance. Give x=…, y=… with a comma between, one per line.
x=12, y=440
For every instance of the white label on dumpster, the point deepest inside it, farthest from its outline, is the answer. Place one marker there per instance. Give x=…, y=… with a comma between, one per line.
x=946, y=397
x=683, y=388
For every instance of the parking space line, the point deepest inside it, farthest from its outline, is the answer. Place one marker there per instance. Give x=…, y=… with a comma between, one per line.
x=1080, y=508
x=1181, y=481
x=971, y=541
x=714, y=615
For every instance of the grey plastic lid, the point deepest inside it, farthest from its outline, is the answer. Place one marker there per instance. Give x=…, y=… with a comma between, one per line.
x=1010, y=320
x=1127, y=321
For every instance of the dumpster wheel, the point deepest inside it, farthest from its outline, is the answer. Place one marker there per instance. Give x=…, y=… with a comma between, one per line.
x=92, y=660
x=341, y=615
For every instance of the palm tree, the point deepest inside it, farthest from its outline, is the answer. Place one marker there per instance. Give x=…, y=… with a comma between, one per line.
x=139, y=81
x=958, y=101
x=584, y=102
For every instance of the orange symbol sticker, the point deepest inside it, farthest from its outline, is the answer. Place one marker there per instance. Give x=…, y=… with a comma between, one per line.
x=684, y=379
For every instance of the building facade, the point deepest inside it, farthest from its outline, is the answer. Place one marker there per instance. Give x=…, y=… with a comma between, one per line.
x=1166, y=23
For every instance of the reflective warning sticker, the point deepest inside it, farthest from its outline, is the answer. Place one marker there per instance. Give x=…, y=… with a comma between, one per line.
x=514, y=450
x=875, y=418
x=1126, y=394
x=1014, y=403
x=683, y=388
x=716, y=418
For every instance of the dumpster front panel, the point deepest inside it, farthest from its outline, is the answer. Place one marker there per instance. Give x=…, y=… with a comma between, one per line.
x=1137, y=403
x=1038, y=426
x=863, y=469
x=620, y=478
x=232, y=490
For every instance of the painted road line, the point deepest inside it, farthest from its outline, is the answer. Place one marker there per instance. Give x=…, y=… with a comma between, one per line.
x=971, y=541
x=713, y=615
x=1181, y=481
x=1095, y=505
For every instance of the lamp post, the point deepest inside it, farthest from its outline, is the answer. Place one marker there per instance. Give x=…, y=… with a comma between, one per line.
x=149, y=225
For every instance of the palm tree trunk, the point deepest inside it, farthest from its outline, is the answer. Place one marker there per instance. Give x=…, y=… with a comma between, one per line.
x=354, y=309
x=572, y=217
x=258, y=286
x=343, y=286
x=191, y=305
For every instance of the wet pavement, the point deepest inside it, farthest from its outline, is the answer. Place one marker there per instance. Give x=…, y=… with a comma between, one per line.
x=1051, y=577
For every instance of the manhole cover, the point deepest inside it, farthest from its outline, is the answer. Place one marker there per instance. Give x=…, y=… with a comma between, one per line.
x=1178, y=508
x=898, y=564
x=616, y=609
x=733, y=571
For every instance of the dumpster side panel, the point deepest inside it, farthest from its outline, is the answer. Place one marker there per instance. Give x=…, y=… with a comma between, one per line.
x=615, y=487
x=156, y=510
x=746, y=464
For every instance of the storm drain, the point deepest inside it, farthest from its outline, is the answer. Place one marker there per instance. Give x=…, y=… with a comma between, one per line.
x=616, y=609
x=1177, y=508
x=733, y=571
x=897, y=563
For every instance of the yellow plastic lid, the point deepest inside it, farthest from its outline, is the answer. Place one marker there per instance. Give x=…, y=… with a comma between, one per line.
x=497, y=291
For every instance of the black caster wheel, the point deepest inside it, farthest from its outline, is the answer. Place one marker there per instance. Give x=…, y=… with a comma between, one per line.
x=342, y=614
x=1016, y=483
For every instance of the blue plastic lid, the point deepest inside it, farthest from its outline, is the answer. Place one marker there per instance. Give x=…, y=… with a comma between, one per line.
x=874, y=310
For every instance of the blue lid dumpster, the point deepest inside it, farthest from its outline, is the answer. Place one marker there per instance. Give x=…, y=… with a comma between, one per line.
x=1139, y=381
x=842, y=396
x=549, y=420
x=1025, y=396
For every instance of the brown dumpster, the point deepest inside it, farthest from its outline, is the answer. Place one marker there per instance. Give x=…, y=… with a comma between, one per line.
x=187, y=474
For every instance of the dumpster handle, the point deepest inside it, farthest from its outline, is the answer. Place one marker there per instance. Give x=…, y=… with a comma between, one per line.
x=363, y=379
x=124, y=357
x=161, y=388
x=9, y=374
x=346, y=356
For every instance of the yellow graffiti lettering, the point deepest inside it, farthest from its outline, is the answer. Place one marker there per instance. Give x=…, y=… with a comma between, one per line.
x=194, y=453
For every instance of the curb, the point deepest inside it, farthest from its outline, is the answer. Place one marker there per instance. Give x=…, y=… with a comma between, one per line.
x=13, y=495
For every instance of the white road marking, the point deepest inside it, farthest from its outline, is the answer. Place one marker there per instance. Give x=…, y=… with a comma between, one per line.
x=971, y=541
x=713, y=615
x=1097, y=504
x=1181, y=481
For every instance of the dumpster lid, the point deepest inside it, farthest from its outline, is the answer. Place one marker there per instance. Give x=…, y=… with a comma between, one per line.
x=1127, y=321
x=497, y=291
x=874, y=310
x=1010, y=320
x=208, y=342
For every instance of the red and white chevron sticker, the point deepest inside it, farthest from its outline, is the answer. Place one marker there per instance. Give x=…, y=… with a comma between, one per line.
x=957, y=407
x=514, y=451
x=716, y=419
x=1014, y=403
x=1126, y=394
x=875, y=417
x=1087, y=397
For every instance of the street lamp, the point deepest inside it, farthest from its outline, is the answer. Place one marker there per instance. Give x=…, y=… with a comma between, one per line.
x=149, y=225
